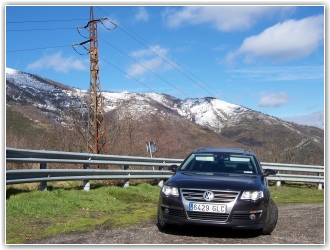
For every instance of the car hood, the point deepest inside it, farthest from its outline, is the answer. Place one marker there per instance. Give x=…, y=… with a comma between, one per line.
x=201, y=180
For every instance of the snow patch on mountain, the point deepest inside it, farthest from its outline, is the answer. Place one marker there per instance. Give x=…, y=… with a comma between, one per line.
x=210, y=112
x=25, y=80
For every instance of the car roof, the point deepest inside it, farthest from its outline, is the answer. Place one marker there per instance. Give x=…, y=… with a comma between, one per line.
x=224, y=150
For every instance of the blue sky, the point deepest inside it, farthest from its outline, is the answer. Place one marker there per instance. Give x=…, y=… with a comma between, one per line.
x=266, y=58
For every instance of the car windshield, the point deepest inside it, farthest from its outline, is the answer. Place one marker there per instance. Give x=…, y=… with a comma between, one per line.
x=220, y=162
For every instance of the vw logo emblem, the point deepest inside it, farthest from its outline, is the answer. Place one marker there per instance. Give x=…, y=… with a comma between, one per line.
x=208, y=195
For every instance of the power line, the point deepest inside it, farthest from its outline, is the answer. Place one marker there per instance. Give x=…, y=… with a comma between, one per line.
x=46, y=21
x=41, y=29
x=144, y=67
x=20, y=50
x=113, y=64
x=166, y=60
x=127, y=74
x=153, y=51
x=110, y=64
x=171, y=64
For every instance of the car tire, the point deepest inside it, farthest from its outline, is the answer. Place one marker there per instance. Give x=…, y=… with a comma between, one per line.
x=162, y=225
x=271, y=219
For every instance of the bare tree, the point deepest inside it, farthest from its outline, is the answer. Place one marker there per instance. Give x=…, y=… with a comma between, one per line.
x=321, y=118
x=75, y=118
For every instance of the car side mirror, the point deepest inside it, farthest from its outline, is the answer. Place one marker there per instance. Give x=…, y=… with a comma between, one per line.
x=173, y=167
x=269, y=172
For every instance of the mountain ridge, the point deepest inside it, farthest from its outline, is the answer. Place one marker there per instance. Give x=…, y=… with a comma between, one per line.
x=234, y=122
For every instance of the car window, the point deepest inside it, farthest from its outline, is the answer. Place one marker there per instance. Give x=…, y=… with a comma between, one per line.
x=222, y=163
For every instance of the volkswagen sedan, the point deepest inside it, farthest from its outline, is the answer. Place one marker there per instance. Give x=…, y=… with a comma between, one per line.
x=226, y=187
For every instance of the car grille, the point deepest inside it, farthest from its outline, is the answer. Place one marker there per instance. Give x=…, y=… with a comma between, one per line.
x=219, y=196
x=207, y=216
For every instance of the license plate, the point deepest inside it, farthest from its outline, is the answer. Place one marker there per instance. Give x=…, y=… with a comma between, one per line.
x=207, y=207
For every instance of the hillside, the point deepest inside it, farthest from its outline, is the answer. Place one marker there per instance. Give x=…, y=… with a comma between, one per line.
x=177, y=126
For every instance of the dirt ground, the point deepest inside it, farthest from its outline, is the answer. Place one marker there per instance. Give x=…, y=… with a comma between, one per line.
x=297, y=224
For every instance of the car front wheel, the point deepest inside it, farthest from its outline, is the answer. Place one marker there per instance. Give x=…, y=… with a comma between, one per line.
x=162, y=225
x=271, y=219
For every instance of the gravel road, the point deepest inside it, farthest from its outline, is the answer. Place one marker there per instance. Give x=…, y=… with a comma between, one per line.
x=297, y=224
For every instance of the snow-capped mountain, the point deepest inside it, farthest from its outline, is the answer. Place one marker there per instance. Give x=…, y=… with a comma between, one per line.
x=209, y=112
x=31, y=89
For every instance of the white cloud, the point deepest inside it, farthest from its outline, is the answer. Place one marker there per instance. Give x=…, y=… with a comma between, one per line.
x=142, y=14
x=290, y=40
x=314, y=119
x=148, y=61
x=288, y=73
x=224, y=18
x=58, y=63
x=273, y=100
x=144, y=66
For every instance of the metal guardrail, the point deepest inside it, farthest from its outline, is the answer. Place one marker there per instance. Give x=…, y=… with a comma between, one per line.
x=36, y=175
x=317, y=171
x=39, y=156
x=293, y=167
x=44, y=175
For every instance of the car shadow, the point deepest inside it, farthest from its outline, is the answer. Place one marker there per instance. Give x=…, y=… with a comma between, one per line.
x=210, y=231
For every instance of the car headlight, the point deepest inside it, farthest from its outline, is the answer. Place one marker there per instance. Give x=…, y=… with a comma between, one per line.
x=169, y=190
x=252, y=195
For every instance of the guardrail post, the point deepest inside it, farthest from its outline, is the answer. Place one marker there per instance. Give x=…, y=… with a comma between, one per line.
x=320, y=184
x=160, y=182
x=86, y=183
x=278, y=183
x=43, y=184
x=126, y=181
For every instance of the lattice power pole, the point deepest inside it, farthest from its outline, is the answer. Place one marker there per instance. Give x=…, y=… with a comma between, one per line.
x=97, y=141
x=96, y=138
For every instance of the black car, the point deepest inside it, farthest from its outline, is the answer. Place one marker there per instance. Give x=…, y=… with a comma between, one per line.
x=218, y=186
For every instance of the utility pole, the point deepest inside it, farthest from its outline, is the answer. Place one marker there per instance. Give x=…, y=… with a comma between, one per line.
x=96, y=134
x=96, y=123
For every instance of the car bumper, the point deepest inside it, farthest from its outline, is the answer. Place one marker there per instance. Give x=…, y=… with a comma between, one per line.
x=243, y=215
